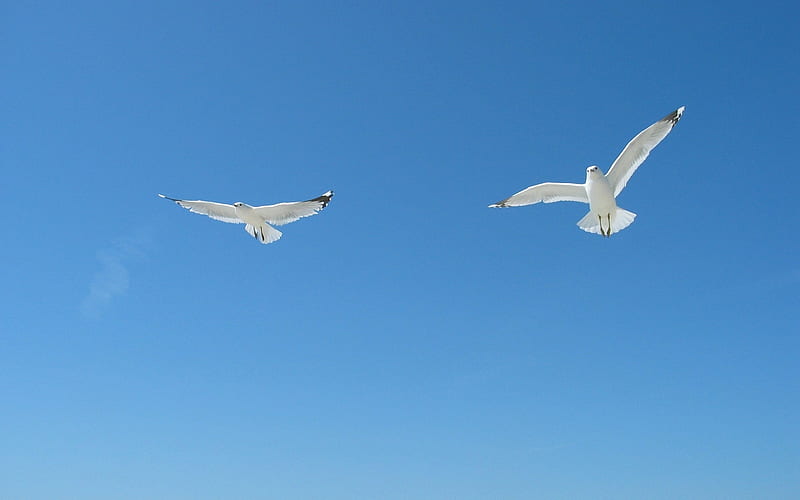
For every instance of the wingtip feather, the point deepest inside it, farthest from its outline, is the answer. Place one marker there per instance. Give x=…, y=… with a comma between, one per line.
x=324, y=199
x=675, y=116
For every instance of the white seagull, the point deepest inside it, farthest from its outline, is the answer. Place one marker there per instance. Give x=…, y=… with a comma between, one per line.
x=257, y=220
x=600, y=191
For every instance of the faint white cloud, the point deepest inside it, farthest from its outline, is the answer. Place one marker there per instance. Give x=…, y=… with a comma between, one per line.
x=113, y=277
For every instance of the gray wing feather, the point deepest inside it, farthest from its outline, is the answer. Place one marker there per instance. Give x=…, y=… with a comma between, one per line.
x=547, y=192
x=638, y=149
x=217, y=211
x=284, y=213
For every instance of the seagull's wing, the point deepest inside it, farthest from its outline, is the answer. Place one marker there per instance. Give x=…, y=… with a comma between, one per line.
x=547, y=192
x=218, y=211
x=637, y=150
x=284, y=213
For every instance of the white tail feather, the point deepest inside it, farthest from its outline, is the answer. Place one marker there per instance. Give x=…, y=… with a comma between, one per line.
x=263, y=233
x=619, y=221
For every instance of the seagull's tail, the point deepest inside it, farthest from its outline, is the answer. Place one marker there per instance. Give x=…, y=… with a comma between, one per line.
x=263, y=233
x=619, y=221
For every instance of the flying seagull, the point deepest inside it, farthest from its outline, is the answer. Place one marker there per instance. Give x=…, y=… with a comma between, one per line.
x=257, y=220
x=600, y=191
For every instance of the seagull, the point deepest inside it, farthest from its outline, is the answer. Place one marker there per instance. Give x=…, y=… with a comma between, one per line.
x=600, y=191
x=257, y=220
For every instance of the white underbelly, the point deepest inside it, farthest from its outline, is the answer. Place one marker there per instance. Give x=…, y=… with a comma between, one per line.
x=249, y=216
x=601, y=198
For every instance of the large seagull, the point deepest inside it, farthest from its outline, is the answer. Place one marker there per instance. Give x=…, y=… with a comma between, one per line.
x=600, y=191
x=257, y=220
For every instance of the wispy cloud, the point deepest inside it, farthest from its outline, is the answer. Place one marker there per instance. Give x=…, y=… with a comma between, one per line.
x=113, y=277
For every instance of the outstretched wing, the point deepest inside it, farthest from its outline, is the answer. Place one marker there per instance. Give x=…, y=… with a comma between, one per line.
x=638, y=149
x=218, y=211
x=547, y=192
x=284, y=213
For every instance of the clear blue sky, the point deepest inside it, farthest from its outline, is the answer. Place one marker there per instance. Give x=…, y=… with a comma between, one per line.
x=408, y=342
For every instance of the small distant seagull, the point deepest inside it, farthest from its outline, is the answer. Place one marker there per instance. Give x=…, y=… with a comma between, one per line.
x=257, y=220
x=600, y=191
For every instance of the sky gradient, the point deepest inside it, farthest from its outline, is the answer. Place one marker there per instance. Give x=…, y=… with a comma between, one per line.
x=407, y=342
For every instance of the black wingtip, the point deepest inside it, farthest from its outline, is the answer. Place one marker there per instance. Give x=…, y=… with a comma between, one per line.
x=168, y=198
x=324, y=199
x=675, y=116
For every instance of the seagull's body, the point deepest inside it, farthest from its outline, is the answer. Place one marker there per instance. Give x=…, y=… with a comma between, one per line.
x=600, y=191
x=600, y=194
x=257, y=220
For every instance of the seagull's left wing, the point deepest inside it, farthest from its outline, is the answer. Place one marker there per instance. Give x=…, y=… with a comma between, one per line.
x=638, y=149
x=218, y=211
x=284, y=213
x=547, y=192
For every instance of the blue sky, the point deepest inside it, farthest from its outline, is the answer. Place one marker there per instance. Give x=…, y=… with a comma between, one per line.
x=408, y=342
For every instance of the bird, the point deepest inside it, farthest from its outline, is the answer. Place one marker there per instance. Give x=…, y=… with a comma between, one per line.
x=599, y=190
x=257, y=220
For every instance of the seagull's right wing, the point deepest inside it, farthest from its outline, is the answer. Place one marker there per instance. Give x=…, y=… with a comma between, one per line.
x=547, y=193
x=218, y=211
x=284, y=213
x=638, y=150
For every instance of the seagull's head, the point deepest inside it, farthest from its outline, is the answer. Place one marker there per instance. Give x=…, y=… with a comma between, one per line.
x=238, y=204
x=593, y=171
